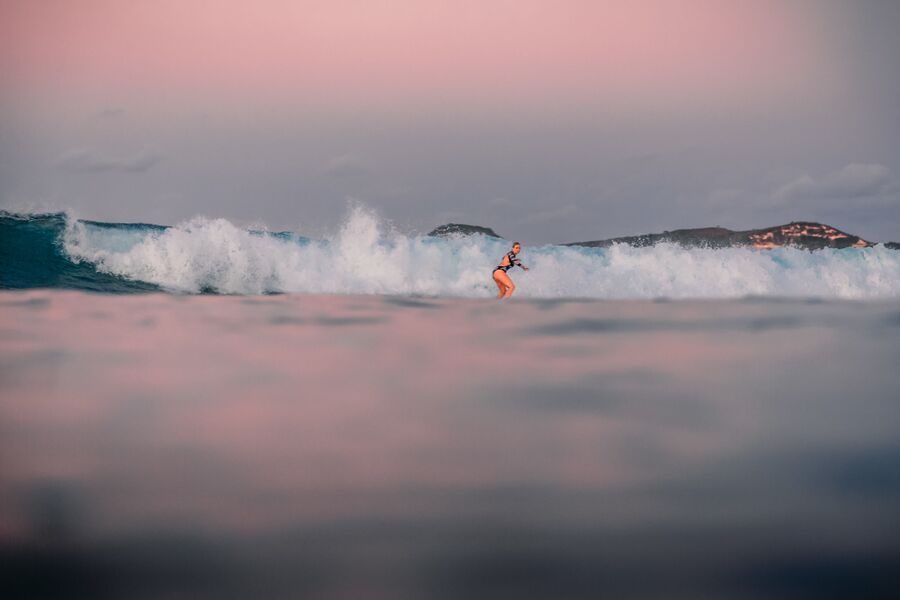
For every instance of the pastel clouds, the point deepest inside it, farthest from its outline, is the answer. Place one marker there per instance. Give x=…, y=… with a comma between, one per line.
x=852, y=181
x=852, y=198
x=347, y=166
x=90, y=160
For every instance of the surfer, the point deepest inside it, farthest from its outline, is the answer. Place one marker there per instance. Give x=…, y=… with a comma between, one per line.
x=509, y=260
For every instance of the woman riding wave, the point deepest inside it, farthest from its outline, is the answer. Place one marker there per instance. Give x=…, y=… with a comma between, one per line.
x=509, y=260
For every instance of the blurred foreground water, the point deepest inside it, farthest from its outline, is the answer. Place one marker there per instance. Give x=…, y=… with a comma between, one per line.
x=387, y=447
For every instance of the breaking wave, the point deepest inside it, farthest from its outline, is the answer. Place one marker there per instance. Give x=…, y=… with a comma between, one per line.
x=366, y=257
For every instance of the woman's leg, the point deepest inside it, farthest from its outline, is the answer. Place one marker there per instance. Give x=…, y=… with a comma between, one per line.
x=510, y=288
x=505, y=283
x=500, y=287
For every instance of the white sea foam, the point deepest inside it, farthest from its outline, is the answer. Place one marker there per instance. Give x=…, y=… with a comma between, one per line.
x=364, y=258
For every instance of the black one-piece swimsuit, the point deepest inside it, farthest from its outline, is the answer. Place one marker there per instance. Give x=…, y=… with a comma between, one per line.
x=513, y=261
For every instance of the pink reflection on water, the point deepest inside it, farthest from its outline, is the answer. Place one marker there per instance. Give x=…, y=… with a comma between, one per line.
x=253, y=413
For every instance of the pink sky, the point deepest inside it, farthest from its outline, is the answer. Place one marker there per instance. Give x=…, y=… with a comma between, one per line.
x=356, y=52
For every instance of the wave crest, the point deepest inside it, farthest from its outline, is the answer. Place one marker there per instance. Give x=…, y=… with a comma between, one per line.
x=364, y=257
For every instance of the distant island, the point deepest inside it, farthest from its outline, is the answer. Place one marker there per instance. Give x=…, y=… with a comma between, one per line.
x=454, y=229
x=799, y=234
x=811, y=236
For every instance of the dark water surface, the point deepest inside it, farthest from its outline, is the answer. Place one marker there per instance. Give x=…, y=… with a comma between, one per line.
x=378, y=447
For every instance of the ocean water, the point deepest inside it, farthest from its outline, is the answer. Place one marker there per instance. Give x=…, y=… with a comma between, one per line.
x=163, y=445
x=203, y=410
x=366, y=256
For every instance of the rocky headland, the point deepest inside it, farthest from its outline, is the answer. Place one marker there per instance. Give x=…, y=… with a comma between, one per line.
x=807, y=235
x=454, y=229
x=799, y=234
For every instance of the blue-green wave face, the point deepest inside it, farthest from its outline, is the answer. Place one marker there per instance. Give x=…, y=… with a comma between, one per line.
x=32, y=255
x=365, y=257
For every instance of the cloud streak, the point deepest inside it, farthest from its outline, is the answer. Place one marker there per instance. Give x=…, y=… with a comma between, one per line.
x=851, y=182
x=347, y=166
x=89, y=160
x=111, y=113
x=563, y=212
x=859, y=198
